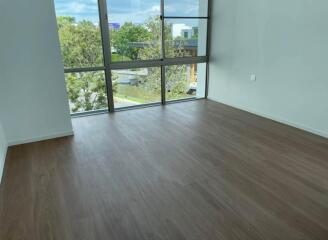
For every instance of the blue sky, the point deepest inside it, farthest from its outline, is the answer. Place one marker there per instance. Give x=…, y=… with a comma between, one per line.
x=122, y=11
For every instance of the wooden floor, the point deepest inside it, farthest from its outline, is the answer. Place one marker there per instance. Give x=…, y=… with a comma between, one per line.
x=196, y=171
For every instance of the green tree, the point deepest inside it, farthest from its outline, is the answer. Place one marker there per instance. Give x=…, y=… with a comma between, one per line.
x=81, y=47
x=86, y=91
x=175, y=75
x=80, y=43
x=129, y=34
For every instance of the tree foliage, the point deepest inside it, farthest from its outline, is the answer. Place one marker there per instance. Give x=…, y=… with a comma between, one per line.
x=129, y=34
x=86, y=91
x=80, y=43
x=81, y=47
x=175, y=75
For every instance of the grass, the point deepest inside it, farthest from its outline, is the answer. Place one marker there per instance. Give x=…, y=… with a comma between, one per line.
x=142, y=96
x=118, y=58
x=136, y=94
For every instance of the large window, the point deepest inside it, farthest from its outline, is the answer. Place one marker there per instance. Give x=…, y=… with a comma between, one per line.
x=126, y=53
x=86, y=91
x=82, y=52
x=185, y=37
x=132, y=87
x=185, y=81
x=135, y=32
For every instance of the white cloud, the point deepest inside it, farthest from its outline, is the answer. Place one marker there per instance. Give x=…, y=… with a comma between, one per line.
x=137, y=16
x=155, y=8
x=77, y=8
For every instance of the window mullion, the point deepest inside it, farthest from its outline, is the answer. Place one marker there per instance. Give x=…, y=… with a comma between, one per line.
x=208, y=44
x=106, y=51
x=162, y=53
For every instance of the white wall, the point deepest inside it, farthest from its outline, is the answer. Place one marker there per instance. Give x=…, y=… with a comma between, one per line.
x=33, y=99
x=3, y=150
x=285, y=43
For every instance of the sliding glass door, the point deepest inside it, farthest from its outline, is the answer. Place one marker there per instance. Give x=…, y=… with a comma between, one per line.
x=127, y=53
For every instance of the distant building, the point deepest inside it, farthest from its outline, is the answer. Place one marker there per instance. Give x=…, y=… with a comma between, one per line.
x=186, y=33
x=189, y=32
x=114, y=26
x=195, y=31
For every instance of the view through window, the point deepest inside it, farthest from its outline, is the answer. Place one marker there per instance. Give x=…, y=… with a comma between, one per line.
x=125, y=53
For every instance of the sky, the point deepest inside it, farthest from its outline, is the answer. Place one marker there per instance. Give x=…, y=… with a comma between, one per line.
x=120, y=11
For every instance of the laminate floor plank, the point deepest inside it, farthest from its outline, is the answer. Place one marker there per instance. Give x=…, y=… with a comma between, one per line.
x=188, y=171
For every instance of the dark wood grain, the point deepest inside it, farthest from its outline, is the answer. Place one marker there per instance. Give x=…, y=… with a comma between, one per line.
x=190, y=171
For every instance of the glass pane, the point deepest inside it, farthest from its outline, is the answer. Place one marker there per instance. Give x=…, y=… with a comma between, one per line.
x=136, y=86
x=185, y=8
x=86, y=91
x=79, y=33
x=185, y=37
x=185, y=81
x=135, y=31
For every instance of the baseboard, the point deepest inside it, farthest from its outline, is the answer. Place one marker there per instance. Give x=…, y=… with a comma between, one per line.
x=2, y=161
x=283, y=121
x=41, y=138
